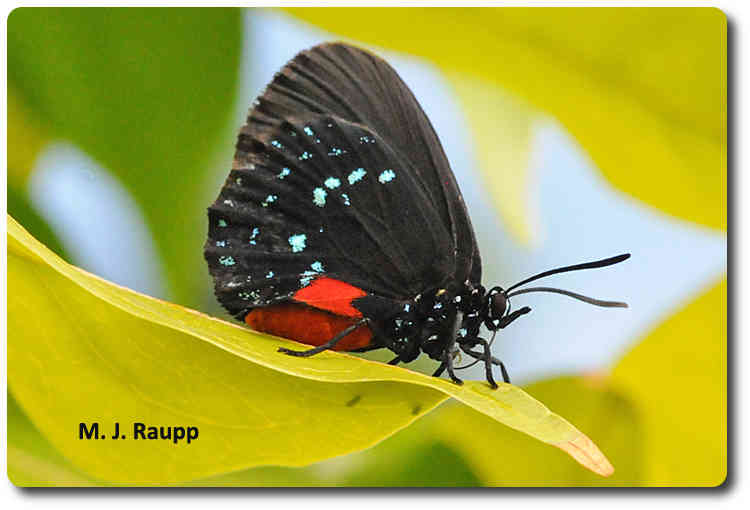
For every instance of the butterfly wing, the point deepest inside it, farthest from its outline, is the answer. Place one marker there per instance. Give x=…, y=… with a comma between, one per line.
x=355, y=85
x=316, y=196
x=339, y=173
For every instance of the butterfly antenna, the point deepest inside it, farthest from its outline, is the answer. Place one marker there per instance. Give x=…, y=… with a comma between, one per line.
x=576, y=267
x=586, y=265
x=574, y=295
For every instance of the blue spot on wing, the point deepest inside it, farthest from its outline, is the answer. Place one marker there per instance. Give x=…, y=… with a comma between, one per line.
x=269, y=200
x=226, y=260
x=298, y=242
x=319, y=197
x=356, y=176
x=332, y=183
x=254, y=235
x=386, y=176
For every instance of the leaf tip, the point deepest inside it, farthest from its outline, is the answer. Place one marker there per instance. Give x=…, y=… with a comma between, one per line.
x=583, y=450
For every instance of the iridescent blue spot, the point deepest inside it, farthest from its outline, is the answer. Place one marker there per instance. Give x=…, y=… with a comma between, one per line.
x=317, y=266
x=317, y=140
x=292, y=133
x=335, y=151
x=249, y=295
x=222, y=223
x=254, y=234
x=269, y=274
x=462, y=332
x=226, y=260
x=356, y=175
x=332, y=183
x=221, y=243
x=319, y=197
x=345, y=198
x=305, y=281
x=298, y=242
x=407, y=307
x=308, y=131
x=269, y=200
x=437, y=306
x=321, y=229
x=387, y=176
x=284, y=172
x=305, y=155
x=277, y=144
x=366, y=139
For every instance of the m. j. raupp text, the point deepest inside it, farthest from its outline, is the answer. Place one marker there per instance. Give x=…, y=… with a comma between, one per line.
x=175, y=434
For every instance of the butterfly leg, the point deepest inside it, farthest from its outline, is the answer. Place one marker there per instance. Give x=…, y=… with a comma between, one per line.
x=329, y=344
x=439, y=371
x=495, y=361
x=447, y=364
x=487, y=358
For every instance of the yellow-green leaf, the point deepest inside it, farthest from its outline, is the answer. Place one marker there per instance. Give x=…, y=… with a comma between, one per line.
x=677, y=376
x=81, y=349
x=516, y=461
x=457, y=446
x=642, y=89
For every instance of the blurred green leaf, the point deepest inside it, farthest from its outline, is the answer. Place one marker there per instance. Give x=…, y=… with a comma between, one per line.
x=19, y=207
x=677, y=376
x=32, y=461
x=148, y=93
x=642, y=89
x=101, y=352
x=26, y=138
x=432, y=464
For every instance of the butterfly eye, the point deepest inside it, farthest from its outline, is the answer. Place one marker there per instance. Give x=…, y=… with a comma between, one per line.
x=498, y=304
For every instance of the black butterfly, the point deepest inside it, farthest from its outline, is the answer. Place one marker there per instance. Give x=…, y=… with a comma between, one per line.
x=341, y=224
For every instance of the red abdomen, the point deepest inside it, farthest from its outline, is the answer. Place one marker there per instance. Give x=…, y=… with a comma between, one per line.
x=307, y=325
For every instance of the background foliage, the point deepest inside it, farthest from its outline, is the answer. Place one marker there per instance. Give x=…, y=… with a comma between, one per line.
x=151, y=95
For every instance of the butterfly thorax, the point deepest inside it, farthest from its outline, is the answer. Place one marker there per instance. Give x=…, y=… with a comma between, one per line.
x=434, y=321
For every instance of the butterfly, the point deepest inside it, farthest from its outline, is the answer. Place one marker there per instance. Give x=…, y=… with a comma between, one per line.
x=341, y=225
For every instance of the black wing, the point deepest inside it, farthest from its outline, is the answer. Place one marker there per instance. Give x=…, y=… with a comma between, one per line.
x=337, y=171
